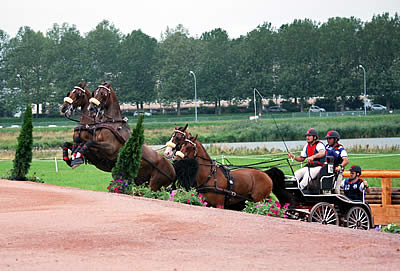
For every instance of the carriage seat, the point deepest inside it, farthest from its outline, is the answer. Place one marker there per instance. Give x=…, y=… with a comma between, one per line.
x=324, y=183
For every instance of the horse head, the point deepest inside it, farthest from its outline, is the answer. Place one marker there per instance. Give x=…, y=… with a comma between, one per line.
x=78, y=97
x=101, y=98
x=188, y=148
x=177, y=139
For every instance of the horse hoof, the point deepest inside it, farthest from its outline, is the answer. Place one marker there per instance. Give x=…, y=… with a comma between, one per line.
x=76, y=162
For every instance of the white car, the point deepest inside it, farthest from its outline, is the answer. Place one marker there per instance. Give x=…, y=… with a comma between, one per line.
x=378, y=107
x=317, y=109
x=139, y=113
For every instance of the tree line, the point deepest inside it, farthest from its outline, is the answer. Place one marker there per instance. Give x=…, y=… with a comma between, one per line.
x=299, y=60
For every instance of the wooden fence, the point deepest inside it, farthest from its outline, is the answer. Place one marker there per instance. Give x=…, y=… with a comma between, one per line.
x=384, y=201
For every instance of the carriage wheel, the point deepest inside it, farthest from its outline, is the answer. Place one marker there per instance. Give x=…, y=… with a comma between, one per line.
x=357, y=218
x=324, y=213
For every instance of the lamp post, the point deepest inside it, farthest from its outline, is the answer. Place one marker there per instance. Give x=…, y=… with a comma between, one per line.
x=365, y=89
x=195, y=94
x=20, y=83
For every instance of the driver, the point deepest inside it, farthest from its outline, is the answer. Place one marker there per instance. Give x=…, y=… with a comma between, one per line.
x=314, y=153
x=339, y=154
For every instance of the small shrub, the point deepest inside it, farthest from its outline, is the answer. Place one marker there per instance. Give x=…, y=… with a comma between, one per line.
x=391, y=227
x=268, y=207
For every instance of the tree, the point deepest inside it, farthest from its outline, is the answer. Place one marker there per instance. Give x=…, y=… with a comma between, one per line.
x=129, y=157
x=216, y=68
x=137, y=60
x=338, y=59
x=5, y=104
x=69, y=64
x=297, y=68
x=102, y=50
x=380, y=55
x=27, y=56
x=23, y=154
x=178, y=54
x=257, y=57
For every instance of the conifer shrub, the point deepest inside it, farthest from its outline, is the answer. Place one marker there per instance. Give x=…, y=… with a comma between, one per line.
x=128, y=162
x=23, y=153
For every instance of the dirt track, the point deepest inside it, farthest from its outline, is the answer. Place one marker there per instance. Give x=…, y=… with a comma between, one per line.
x=45, y=227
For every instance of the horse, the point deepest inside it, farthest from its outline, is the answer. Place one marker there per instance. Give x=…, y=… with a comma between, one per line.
x=177, y=139
x=219, y=186
x=110, y=137
x=78, y=97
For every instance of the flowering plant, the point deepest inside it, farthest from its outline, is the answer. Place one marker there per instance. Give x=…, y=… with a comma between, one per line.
x=391, y=227
x=268, y=207
x=188, y=197
x=120, y=186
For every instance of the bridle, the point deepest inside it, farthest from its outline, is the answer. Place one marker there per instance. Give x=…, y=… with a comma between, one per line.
x=175, y=146
x=82, y=94
x=96, y=92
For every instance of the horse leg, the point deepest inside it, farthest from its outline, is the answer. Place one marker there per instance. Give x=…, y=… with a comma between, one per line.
x=67, y=146
x=79, y=155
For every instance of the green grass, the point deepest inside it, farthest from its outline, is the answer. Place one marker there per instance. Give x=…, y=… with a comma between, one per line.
x=90, y=178
x=85, y=177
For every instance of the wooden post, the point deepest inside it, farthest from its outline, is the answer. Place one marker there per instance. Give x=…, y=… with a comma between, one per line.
x=386, y=191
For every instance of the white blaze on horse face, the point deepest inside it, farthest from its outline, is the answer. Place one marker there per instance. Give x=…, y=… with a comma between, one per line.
x=68, y=100
x=180, y=154
x=94, y=101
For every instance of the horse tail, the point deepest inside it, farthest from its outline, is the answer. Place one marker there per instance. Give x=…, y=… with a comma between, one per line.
x=278, y=188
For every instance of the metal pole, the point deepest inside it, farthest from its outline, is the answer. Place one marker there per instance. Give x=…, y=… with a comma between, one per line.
x=195, y=95
x=255, y=105
x=365, y=89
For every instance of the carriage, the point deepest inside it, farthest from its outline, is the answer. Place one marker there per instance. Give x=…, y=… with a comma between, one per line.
x=318, y=203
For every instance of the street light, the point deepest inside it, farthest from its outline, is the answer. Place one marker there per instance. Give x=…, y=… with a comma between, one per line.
x=195, y=94
x=20, y=81
x=365, y=89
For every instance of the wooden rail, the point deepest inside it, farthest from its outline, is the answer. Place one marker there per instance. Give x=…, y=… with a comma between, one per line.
x=388, y=210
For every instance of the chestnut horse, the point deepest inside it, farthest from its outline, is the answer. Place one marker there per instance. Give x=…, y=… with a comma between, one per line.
x=154, y=169
x=177, y=139
x=221, y=187
x=78, y=97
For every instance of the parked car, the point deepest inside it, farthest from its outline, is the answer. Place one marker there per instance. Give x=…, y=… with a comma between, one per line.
x=139, y=113
x=276, y=108
x=317, y=109
x=378, y=107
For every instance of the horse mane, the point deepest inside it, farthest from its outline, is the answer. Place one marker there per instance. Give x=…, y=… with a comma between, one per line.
x=278, y=179
x=186, y=172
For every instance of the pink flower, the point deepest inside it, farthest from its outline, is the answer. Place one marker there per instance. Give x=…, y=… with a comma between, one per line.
x=200, y=195
x=188, y=201
x=191, y=195
x=270, y=200
x=220, y=206
x=268, y=214
x=284, y=216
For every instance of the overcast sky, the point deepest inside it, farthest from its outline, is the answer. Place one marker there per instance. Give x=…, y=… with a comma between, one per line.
x=154, y=16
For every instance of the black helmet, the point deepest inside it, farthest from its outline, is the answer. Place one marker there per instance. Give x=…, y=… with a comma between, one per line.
x=312, y=132
x=355, y=168
x=333, y=134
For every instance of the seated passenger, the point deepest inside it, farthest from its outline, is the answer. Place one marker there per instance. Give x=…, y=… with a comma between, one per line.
x=339, y=154
x=314, y=153
x=354, y=186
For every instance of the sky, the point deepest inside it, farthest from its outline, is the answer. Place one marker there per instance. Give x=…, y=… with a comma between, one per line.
x=237, y=17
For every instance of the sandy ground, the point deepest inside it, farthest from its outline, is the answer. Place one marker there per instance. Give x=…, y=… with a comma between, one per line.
x=44, y=227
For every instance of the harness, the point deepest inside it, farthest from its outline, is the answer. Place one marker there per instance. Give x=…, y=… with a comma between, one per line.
x=91, y=128
x=228, y=192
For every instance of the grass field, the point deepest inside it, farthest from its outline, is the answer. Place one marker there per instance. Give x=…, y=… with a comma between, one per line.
x=90, y=178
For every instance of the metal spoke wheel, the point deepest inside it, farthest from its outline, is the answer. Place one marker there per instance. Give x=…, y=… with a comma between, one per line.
x=357, y=218
x=324, y=213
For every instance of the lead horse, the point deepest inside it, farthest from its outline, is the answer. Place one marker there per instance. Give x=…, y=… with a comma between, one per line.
x=78, y=97
x=221, y=187
x=104, y=105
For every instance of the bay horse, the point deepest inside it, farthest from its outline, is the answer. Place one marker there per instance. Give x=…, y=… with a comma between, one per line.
x=111, y=135
x=177, y=139
x=221, y=187
x=78, y=97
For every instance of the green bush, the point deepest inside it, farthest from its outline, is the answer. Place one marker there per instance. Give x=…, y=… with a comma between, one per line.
x=23, y=154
